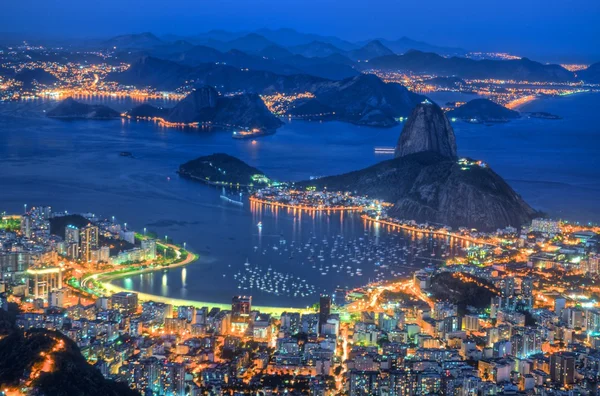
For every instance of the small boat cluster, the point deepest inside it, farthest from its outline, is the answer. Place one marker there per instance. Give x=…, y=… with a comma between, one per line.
x=337, y=259
x=272, y=282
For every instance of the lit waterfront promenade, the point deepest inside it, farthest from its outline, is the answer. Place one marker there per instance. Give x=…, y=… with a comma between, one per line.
x=444, y=233
x=105, y=278
x=307, y=208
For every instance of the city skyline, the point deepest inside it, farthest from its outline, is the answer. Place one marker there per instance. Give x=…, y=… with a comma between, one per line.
x=361, y=199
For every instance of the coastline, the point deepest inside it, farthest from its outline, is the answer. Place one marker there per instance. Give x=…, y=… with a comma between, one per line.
x=106, y=279
x=541, y=98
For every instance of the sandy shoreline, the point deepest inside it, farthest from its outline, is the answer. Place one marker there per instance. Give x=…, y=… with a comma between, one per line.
x=105, y=280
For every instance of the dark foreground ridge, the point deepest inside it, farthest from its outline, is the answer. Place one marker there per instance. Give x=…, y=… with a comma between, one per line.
x=51, y=363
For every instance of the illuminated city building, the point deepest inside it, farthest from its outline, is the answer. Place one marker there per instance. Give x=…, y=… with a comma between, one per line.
x=324, y=310
x=125, y=301
x=71, y=234
x=89, y=242
x=562, y=368
x=241, y=306
x=45, y=280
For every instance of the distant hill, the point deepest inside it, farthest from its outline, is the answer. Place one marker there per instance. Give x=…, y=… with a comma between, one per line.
x=153, y=72
x=197, y=54
x=273, y=58
x=275, y=52
x=220, y=168
x=69, y=108
x=519, y=69
x=226, y=41
x=141, y=40
x=168, y=76
x=289, y=37
x=252, y=42
x=311, y=107
x=319, y=49
x=165, y=50
x=205, y=105
x=483, y=110
x=149, y=111
x=316, y=49
x=591, y=75
x=372, y=49
x=405, y=44
x=30, y=76
x=367, y=100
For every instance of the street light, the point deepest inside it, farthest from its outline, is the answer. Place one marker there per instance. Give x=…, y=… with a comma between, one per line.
x=144, y=231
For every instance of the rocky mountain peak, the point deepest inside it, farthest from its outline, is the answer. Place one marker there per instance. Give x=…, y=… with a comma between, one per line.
x=427, y=129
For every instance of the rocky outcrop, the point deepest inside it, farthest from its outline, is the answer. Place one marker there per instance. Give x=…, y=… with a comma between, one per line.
x=428, y=187
x=426, y=182
x=427, y=129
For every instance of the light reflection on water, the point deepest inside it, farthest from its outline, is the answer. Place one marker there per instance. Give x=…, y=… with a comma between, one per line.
x=76, y=166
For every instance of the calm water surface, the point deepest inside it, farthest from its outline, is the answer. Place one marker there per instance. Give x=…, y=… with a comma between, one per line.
x=553, y=164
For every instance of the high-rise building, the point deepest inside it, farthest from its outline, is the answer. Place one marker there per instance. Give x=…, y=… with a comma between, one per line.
x=509, y=287
x=149, y=248
x=495, y=306
x=546, y=226
x=562, y=368
x=73, y=251
x=470, y=323
x=241, y=306
x=26, y=226
x=56, y=298
x=290, y=321
x=89, y=241
x=187, y=313
x=45, y=280
x=324, y=309
x=592, y=320
x=71, y=234
x=126, y=301
x=592, y=265
x=527, y=286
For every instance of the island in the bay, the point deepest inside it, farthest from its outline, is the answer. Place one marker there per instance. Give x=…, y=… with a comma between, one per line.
x=69, y=108
x=483, y=110
x=223, y=170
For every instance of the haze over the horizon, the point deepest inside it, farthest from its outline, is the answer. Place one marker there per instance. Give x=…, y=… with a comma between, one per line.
x=549, y=29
